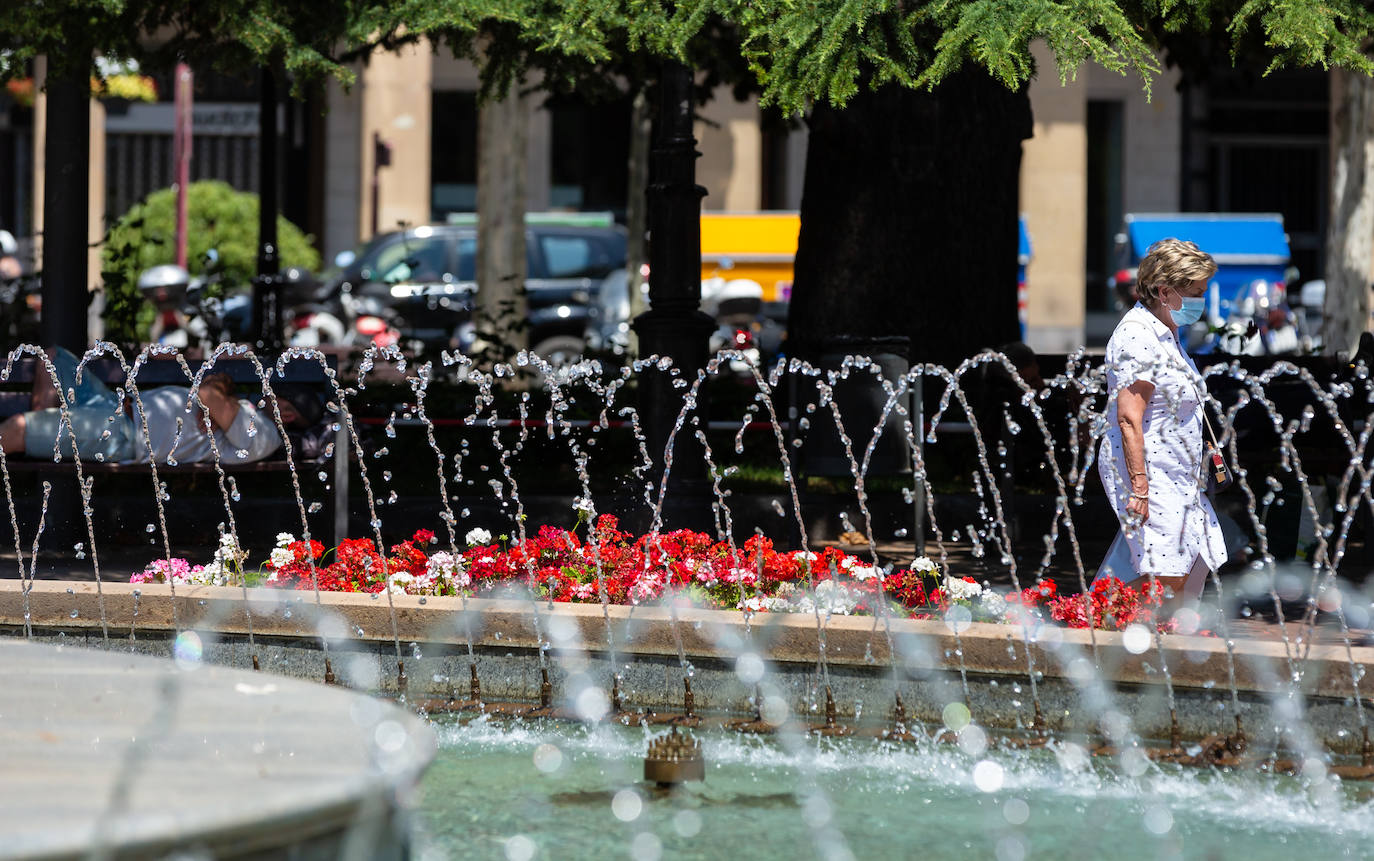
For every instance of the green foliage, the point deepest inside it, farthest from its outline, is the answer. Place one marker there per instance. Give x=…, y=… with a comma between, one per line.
x=309, y=39
x=801, y=52
x=797, y=51
x=1330, y=33
x=218, y=217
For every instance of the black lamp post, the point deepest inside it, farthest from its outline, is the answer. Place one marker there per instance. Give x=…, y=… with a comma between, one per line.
x=674, y=326
x=66, y=200
x=267, y=287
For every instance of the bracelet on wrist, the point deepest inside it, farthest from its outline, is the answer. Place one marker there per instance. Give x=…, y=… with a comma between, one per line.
x=1143, y=497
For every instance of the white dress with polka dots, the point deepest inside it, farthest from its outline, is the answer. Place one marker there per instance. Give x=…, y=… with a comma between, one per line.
x=1182, y=525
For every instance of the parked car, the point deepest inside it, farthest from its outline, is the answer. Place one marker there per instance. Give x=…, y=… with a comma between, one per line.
x=420, y=283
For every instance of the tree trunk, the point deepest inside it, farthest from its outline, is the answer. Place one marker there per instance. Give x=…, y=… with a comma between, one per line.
x=909, y=220
x=636, y=206
x=66, y=204
x=1350, y=234
x=501, y=312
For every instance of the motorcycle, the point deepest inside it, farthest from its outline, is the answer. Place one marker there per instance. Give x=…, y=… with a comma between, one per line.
x=202, y=311
x=736, y=305
x=742, y=319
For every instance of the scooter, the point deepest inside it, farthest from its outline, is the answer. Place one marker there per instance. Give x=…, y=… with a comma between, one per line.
x=1260, y=323
x=197, y=312
x=736, y=304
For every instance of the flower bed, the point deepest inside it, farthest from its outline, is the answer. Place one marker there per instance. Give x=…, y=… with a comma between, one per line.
x=561, y=565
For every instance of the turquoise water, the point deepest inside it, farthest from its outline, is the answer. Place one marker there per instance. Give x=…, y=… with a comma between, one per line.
x=566, y=791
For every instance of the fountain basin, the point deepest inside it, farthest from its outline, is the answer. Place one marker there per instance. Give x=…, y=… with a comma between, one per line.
x=142, y=757
x=500, y=791
x=433, y=635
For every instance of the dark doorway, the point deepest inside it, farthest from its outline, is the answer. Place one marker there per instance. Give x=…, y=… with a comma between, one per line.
x=1105, y=136
x=453, y=153
x=589, y=151
x=1262, y=144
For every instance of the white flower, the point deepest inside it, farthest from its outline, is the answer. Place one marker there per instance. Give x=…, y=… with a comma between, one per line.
x=832, y=597
x=478, y=536
x=754, y=605
x=285, y=538
x=447, y=568
x=993, y=603
x=863, y=572
x=281, y=557
x=961, y=590
x=805, y=556
x=924, y=565
x=583, y=505
x=848, y=562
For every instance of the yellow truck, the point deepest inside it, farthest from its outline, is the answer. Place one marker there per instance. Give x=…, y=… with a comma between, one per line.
x=760, y=246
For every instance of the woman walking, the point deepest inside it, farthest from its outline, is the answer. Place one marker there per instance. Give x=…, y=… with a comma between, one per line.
x=1151, y=456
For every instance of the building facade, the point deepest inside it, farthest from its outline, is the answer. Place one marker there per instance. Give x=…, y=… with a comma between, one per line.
x=1230, y=141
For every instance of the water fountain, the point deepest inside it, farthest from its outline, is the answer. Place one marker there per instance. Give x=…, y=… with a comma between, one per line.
x=967, y=705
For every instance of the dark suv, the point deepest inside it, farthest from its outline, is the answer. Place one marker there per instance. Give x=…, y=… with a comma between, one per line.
x=421, y=282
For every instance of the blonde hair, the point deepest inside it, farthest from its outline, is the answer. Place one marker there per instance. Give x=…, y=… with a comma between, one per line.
x=1172, y=263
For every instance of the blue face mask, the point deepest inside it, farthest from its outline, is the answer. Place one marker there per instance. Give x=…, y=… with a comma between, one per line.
x=1190, y=312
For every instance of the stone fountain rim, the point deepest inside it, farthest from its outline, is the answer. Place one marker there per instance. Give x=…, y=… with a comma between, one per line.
x=648, y=631
x=266, y=784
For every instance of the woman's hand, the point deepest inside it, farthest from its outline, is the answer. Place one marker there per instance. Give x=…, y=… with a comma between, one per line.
x=1138, y=508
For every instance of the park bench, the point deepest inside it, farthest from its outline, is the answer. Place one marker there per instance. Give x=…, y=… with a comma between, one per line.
x=14, y=398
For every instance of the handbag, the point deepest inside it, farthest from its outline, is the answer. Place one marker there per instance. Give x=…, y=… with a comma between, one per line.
x=1218, y=475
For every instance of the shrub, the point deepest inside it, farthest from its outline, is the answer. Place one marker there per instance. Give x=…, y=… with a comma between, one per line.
x=217, y=217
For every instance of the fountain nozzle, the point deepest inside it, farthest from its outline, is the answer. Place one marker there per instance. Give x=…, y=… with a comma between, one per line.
x=1238, y=742
x=474, y=686
x=1367, y=750
x=899, y=731
x=674, y=758
x=756, y=723
x=832, y=727
x=328, y=672
x=545, y=689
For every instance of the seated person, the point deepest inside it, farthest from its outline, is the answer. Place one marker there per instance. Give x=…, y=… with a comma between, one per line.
x=109, y=430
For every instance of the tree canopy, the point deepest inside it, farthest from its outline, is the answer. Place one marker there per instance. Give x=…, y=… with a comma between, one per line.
x=827, y=50
x=797, y=53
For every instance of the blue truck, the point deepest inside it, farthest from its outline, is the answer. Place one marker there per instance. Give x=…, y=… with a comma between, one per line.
x=1247, y=302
